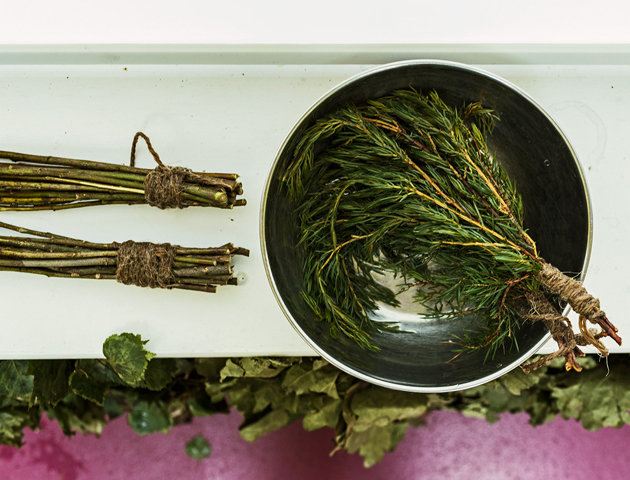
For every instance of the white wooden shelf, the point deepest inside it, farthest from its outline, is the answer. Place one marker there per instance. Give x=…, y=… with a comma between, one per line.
x=228, y=108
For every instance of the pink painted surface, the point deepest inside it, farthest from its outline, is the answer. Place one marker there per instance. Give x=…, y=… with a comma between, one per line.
x=450, y=447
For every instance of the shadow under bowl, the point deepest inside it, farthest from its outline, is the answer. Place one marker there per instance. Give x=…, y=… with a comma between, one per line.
x=534, y=153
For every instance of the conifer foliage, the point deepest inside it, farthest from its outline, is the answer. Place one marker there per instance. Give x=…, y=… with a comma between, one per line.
x=407, y=184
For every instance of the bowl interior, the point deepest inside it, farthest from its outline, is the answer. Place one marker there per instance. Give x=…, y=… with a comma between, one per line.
x=533, y=152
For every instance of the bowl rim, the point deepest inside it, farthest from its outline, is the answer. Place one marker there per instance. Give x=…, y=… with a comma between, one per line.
x=379, y=381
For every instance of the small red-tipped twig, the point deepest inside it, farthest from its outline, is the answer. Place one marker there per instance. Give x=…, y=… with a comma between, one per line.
x=609, y=328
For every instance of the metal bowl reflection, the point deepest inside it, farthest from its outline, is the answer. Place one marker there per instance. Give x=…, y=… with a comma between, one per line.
x=535, y=154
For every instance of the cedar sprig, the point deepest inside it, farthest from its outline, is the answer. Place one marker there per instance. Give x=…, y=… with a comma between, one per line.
x=406, y=183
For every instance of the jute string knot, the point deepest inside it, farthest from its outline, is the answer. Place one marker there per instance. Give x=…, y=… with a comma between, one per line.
x=145, y=264
x=570, y=291
x=163, y=186
x=560, y=328
x=584, y=304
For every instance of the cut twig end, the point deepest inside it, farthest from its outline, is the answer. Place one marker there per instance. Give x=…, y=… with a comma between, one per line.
x=36, y=182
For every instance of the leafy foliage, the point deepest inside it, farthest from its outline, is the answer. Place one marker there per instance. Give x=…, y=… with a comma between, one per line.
x=127, y=356
x=91, y=380
x=159, y=373
x=373, y=442
x=150, y=417
x=81, y=384
x=15, y=416
x=14, y=383
x=80, y=394
x=271, y=393
x=596, y=400
x=76, y=414
x=198, y=448
x=50, y=381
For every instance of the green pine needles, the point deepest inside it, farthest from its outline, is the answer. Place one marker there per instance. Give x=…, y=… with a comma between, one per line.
x=406, y=184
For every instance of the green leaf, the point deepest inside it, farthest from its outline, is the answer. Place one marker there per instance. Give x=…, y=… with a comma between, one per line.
x=159, y=373
x=488, y=401
x=378, y=419
x=231, y=370
x=376, y=406
x=113, y=406
x=50, y=381
x=12, y=425
x=242, y=397
x=100, y=370
x=267, y=424
x=92, y=379
x=517, y=380
x=256, y=367
x=88, y=388
x=128, y=357
x=268, y=394
x=14, y=382
x=297, y=405
x=595, y=398
x=76, y=414
x=372, y=443
x=149, y=417
x=218, y=391
x=325, y=414
x=264, y=367
x=540, y=408
x=498, y=400
x=317, y=377
x=209, y=367
x=185, y=366
x=198, y=448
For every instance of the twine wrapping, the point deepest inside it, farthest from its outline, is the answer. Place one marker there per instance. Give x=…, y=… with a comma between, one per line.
x=163, y=186
x=584, y=304
x=561, y=331
x=145, y=264
x=570, y=291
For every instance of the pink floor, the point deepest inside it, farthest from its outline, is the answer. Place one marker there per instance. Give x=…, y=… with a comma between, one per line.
x=450, y=447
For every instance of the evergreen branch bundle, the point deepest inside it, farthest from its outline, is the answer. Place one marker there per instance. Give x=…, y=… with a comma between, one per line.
x=143, y=264
x=38, y=182
x=407, y=184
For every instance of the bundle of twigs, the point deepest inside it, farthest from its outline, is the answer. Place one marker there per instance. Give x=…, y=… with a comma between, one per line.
x=142, y=264
x=53, y=183
x=406, y=183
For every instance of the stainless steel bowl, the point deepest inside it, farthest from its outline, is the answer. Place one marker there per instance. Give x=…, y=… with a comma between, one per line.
x=533, y=151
